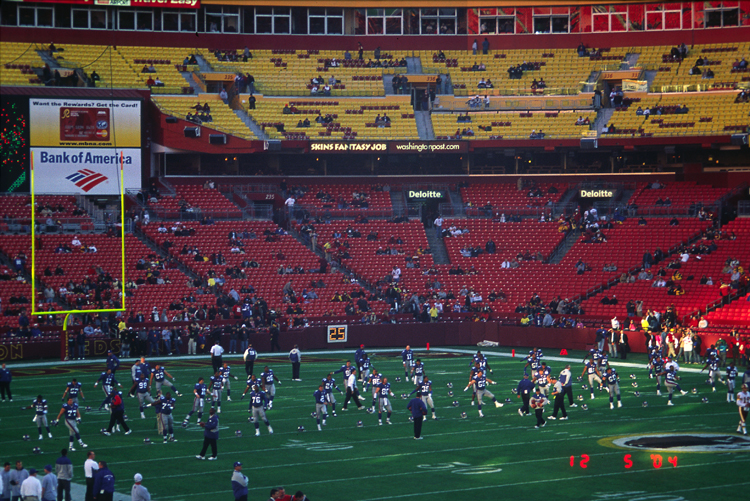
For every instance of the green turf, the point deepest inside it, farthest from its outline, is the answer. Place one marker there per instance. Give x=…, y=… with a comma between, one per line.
x=498, y=456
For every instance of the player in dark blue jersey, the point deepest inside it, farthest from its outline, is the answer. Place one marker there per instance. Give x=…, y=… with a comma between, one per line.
x=199, y=401
x=113, y=363
x=251, y=381
x=225, y=373
x=480, y=383
x=329, y=384
x=591, y=368
x=731, y=375
x=159, y=375
x=671, y=378
x=109, y=383
x=532, y=362
x=359, y=357
x=258, y=404
x=713, y=363
x=418, y=372
x=215, y=387
x=365, y=365
x=346, y=369
x=321, y=402
x=72, y=418
x=40, y=415
x=373, y=381
x=542, y=381
x=72, y=390
x=657, y=365
x=407, y=359
x=143, y=393
x=269, y=384
x=613, y=384
x=384, y=403
x=165, y=408
x=425, y=389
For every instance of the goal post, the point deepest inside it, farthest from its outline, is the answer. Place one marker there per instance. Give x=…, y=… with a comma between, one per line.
x=34, y=310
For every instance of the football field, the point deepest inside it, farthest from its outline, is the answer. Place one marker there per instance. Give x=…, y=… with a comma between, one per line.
x=689, y=451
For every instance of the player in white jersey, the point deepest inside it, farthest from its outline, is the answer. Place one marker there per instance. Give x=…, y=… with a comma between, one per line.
x=373, y=381
x=743, y=404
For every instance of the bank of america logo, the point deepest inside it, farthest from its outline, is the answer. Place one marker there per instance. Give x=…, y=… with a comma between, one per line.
x=87, y=179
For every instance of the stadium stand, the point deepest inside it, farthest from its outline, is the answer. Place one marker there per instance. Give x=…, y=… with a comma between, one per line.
x=349, y=118
x=222, y=116
x=17, y=63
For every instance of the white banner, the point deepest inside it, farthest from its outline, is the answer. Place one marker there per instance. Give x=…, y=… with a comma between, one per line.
x=87, y=171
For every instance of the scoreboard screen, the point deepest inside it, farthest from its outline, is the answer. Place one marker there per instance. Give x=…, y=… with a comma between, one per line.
x=337, y=333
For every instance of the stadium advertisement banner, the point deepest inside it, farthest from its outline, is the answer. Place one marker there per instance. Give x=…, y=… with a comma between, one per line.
x=86, y=171
x=170, y=4
x=428, y=147
x=390, y=147
x=96, y=123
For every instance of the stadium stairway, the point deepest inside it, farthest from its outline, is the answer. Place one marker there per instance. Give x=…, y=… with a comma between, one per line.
x=423, y=120
x=413, y=65
x=398, y=202
x=257, y=130
x=602, y=118
x=151, y=244
x=570, y=239
x=437, y=246
x=630, y=61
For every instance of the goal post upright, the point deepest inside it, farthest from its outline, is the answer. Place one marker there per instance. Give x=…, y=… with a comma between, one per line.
x=67, y=313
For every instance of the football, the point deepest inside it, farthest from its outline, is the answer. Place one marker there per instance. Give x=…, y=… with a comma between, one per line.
x=533, y=405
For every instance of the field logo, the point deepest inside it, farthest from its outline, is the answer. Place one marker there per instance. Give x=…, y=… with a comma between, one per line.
x=87, y=179
x=683, y=442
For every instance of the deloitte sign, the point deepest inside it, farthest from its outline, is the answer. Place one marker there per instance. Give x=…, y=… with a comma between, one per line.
x=425, y=194
x=596, y=193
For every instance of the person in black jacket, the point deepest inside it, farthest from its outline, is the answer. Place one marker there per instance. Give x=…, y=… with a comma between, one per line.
x=525, y=389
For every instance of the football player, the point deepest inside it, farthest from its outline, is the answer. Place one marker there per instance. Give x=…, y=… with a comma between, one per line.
x=251, y=381
x=258, y=404
x=321, y=403
x=113, y=363
x=359, y=357
x=40, y=416
x=365, y=371
x=537, y=403
x=418, y=372
x=743, y=404
x=72, y=390
x=671, y=378
x=143, y=394
x=329, y=384
x=613, y=385
x=160, y=375
x=108, y=386
x=352, y=393
x=731, y=373
x=542, y=380
x=225, y=373
x=249, y=357
x=384, y=391
x=165, y=406
x=407, y=359
x=269, y=387
x=72, y=418
x=199, y=401
x=657, y=365
x=712, y=364
x=215, y=386
x=480, y=383
x=592, y=370
x=425, y=389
